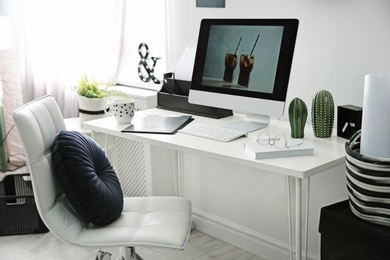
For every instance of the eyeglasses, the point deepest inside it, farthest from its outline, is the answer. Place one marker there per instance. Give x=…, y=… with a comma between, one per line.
x=279, y=141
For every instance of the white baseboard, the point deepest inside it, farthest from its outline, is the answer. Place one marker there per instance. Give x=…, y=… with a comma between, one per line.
x=242, y=237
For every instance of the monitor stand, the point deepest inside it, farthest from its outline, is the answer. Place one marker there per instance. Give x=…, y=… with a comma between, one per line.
x=250, y=123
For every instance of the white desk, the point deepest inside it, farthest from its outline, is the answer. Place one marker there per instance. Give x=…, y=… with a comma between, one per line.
x=328, y=152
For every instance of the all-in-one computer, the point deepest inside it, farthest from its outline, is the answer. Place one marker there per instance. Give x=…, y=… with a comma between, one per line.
x=244, y=65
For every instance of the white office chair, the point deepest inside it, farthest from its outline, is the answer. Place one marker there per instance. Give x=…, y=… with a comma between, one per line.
x=145, y=221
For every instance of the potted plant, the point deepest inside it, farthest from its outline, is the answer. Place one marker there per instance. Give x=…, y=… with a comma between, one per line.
x=94, y=96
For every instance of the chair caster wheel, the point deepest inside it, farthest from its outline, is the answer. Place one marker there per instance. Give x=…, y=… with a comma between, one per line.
x=103, y=255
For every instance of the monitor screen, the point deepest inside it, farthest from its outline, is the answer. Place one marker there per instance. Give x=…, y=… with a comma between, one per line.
x=244, y=65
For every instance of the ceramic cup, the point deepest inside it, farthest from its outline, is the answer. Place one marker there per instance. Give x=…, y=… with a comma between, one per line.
x=121, y=110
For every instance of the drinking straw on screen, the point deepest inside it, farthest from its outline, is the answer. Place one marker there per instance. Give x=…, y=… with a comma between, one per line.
x=235, y=52
x=255, y=44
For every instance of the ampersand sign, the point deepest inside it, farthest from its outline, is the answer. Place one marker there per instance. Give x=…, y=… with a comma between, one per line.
x=143, y=63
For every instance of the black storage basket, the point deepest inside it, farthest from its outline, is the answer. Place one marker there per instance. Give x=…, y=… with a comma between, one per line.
x=18, y=212
x=368, y=184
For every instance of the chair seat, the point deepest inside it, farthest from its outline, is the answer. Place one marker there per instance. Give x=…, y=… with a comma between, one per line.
x=145, y=221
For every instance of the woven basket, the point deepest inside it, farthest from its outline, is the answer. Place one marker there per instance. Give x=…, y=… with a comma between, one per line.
x=18, y=212
x=368, y=183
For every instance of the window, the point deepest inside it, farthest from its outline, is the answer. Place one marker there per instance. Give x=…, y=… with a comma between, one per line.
x=145, y=23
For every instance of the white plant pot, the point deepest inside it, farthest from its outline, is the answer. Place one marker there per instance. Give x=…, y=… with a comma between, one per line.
x=91, y=108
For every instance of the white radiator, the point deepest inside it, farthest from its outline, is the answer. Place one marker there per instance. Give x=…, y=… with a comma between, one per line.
x=133, y=167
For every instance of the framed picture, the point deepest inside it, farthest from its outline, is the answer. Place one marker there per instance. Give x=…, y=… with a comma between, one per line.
x=210, y=3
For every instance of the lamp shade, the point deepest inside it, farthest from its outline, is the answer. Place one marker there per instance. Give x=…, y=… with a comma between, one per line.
x=5, y=32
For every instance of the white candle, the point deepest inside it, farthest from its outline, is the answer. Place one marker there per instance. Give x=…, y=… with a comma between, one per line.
x=375, y=134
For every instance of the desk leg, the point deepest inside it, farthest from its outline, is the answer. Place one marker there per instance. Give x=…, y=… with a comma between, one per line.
x=307, y=217
x=93, y=134
x=298, y=218
x=178, y=170
x=289, y=217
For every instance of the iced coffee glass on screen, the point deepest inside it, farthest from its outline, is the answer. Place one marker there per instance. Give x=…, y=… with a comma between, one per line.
x=230, y=65
x=246, y=65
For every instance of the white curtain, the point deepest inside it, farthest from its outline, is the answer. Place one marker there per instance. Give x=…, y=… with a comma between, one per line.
x=56, y=42
x=62, y=40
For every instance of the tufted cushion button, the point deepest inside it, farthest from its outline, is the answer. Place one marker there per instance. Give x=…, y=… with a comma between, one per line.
x=87, y=177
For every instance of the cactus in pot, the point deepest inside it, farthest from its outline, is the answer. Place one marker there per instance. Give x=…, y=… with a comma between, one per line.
x=297, y=113
x=322, y=114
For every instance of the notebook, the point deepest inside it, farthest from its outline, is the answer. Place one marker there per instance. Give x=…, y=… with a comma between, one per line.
x=159, y=124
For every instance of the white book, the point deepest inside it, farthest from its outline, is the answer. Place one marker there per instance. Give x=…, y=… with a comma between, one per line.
x=258, y=151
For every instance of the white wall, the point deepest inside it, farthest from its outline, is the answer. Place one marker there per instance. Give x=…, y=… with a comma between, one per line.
x=249, y=208
x=338, y=42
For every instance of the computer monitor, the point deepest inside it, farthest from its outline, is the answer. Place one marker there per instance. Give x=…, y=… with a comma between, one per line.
x=244, y=65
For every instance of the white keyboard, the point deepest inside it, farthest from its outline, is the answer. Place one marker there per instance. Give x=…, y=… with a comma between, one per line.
x=211, y=132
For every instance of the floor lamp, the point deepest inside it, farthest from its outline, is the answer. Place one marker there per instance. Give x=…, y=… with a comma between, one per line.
x=6, y=43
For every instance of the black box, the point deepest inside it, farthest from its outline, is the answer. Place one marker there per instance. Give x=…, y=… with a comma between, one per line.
x=18, y=212
x=344, y=236
x=174, y=96
x=349, y=120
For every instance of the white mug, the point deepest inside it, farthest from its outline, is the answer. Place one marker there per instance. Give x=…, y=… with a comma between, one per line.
x=122, y=110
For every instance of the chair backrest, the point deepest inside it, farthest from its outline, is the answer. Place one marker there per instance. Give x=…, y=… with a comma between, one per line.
x=38, y=122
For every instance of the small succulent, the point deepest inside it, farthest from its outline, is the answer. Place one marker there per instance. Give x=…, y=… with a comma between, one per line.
x=91, y=87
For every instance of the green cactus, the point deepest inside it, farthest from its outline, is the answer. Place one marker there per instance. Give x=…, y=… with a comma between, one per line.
x=297, y=112
x=322, y=114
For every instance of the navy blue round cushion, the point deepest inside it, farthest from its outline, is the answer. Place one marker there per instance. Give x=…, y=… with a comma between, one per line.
x=87, y=178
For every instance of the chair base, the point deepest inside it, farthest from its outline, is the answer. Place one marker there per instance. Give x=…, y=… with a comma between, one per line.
x=128, y=253
x=103, y=255
x=125, y=253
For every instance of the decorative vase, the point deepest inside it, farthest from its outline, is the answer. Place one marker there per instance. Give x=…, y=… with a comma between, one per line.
x=297, y=112
x=322, y=114
x=91, y=108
